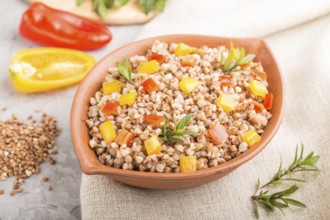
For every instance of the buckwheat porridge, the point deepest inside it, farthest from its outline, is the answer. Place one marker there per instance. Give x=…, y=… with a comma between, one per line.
x=179, y=109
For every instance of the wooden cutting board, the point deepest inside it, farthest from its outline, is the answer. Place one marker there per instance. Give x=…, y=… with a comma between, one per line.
x=128, y=14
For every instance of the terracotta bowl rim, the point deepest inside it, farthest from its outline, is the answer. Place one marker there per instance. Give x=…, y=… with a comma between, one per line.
x=89, y=167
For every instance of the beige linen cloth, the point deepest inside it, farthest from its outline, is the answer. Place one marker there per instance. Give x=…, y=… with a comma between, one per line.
x=298, y=33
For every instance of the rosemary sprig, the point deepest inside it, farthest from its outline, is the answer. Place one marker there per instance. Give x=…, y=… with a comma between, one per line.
x=101, y=7
x=235, y=58
x=299, y=164
x=280, y=199
x=175, y=135
x=125, y=69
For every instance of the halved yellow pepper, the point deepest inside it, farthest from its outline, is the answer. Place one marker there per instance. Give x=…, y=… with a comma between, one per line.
x=127, y=99
x=226, y=102
x=251, y=137
x=183, y=49
x=108, y=131
x=188, y=84
x=111, y=87
x=42, y=69
x=258, y=88
x=149, y=67
x=188, y=164
x=152, y=145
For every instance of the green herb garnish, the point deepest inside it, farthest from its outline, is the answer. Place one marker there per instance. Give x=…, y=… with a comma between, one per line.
x=101, y=7
x=175, y=135
x=125, y=69
x=240, y=59
x=281, y=199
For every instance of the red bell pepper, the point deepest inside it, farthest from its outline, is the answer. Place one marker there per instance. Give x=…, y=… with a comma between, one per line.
x=149, y=85
x=258, y=107
x=110, y=108
x=226, y=80
x=158, y=57
x=124, y=137
x=154, y=119
x=268, y=102
x=56, y=28
x=218, y=134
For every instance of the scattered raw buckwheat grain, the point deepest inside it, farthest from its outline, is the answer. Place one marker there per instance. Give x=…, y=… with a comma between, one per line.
x=23, y=147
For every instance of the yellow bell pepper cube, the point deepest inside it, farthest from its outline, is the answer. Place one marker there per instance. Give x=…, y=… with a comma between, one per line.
x=183, y=49
x=188, y=84
x=127, y=99
x=188, y=164
x=149, y=67
x=152, y=145
x=258, y=88
x=108, y=131
x=111, y=87
x=251, y=137
x=226, y=102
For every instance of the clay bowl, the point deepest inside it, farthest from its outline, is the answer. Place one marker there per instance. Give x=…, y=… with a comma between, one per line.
x=93, y=81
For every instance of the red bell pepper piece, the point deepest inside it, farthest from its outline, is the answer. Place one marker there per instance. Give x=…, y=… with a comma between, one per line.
x=57, y=28
x=154, y=119
x=268, y=102
x=110, y=108
x=218, y=134
x=124, y=137
x=158, y=57
x=258, y=107
x=149, y=85
x=225, y=80
x=188, y=60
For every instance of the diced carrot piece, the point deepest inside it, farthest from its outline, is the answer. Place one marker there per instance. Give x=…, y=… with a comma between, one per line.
x=251, y=137
x=155, y=56
x=110, y=108
x=154, y=119
x=262, y=75
x=268, y=102
x=226, y=80
x=188, y=60
x=124, y=137
x=218, y=134
x=152, y=145
x=188, y=164
x=258, y=107
x=149, y=85
x=244, y=66
x=107, y=131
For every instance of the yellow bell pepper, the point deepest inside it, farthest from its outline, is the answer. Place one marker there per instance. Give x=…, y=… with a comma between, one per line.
x=127, y=99
x=188, y=84
x=188, y=164
x=149, y=67
x=226, y=102
x=251, y=137
x=183, y=49
x=152, y=145
x=111, y=87
x=258, y=88
x=108, y=131
x=42, y=69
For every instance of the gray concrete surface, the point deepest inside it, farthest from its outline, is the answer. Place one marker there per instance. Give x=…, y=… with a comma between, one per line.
x=36, y=202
